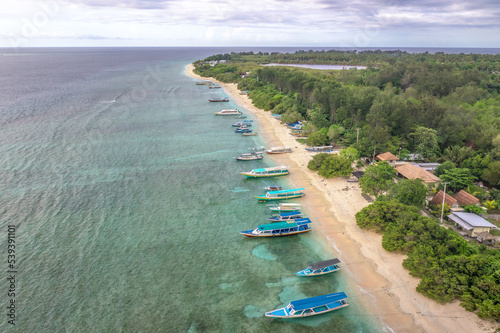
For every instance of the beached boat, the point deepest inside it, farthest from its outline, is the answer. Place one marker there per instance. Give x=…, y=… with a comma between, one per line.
x=242, y=123
x=286, y=216
x=311, y=306
x=280, y=229
x=219, y=99
x=250, y=134
x=282, y=195
x=249, y=157
x=279, y=150
x=229, y=112
x=267, y=172
x=243, y=129
x=285, y=207
x=321, y=149
x=273, y=188
x=320, y=268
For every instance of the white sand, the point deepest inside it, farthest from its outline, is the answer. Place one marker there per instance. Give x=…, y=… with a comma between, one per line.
x=332, y=205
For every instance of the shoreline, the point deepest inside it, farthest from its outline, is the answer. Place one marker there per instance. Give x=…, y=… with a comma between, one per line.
x=390, y=292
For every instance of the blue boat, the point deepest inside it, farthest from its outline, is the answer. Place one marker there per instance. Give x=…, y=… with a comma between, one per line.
x=278, y=229
x=311, y=306
x=320, y=268
x=282, y=195
x=286, y=216
x=243, y=130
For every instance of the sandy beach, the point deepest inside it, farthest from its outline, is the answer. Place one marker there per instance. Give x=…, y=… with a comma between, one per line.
x=385, y=287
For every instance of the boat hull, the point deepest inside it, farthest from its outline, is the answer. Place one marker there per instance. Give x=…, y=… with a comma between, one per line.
x=305, y=273
x=283, y=313
x=250, y=234
x=249, y=175
x=264, y=198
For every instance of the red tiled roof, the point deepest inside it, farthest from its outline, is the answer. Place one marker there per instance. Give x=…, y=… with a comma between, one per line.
x=386, y=157
x=465, y=198
x=438, y=199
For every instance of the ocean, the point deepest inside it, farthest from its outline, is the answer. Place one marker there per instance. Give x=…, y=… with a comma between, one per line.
x=125, y=204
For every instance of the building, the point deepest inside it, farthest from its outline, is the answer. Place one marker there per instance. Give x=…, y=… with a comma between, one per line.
x=471, y=223
x=388, y=157
x=431, y=167
x=449, y=200
x=411, y=171
x=465, y=199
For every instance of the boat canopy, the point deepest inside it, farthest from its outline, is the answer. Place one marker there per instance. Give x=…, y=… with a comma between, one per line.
x=289, y=214
x=277, y=225
x=308, y=303
x=270, y=169
x=323, y=264
x=286, y=191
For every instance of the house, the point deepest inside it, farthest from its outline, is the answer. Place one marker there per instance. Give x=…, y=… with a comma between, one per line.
x=448, y=199
x=411, y=171
x=388, y=157
x=471, y=223
x=465, y=199
x=431, y=167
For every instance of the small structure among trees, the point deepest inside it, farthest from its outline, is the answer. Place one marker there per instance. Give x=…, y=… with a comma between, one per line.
x=388, y=157
x=410, y=171
x=472, y=224
x=448, y=199
x=465, y=199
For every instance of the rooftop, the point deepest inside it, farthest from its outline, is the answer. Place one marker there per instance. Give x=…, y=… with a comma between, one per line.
x=438, y=199
x=465, y=198
x=386, y=157
x=411, y=171
x=470, y=221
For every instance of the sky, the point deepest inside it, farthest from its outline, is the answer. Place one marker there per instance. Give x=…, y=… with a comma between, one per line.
x=315, y=23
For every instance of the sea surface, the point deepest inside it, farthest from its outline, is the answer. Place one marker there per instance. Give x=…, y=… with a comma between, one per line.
x=127, y=204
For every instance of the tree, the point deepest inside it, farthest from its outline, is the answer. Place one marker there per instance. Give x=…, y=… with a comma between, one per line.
x=492, y=173
x=411, y=192
x=335, y=166
x=426, y=142
x=334, y=132
x=458, y=154
x=317, y=138
x=490, y=204
x=316, y=161
x=349, y=153
x=441, y=169
x=377, y=178
x=458, y=178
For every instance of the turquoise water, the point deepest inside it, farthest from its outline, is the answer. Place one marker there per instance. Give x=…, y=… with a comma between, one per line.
x=128, y=204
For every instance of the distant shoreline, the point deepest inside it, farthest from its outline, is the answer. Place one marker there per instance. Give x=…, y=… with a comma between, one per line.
x=318, y=66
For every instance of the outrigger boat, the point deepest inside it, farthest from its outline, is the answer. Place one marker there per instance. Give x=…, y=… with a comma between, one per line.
x=281, y=195
x=250, y=134
x=311, y=306
x=279, y=150
x=243, y=129
x=273, y=188
x=286, y=217
x=278, y=229
x=219, y=99
x=320, y=268
x=242, y=123
x=249, y=157
x=285, y=207
x=267, y=172
x=229, y=112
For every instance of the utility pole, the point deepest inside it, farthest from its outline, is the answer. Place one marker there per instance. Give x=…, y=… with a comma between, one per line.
x=442, y=205
x=357, y=135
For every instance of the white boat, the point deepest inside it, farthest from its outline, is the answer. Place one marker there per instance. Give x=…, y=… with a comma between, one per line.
x=267, y=172
x=249, y=156
x=229, y=112
x=286, y=207
x=311, y=306
x=279, y=150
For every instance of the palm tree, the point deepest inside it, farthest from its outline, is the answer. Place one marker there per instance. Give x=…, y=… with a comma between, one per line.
x=490, y=204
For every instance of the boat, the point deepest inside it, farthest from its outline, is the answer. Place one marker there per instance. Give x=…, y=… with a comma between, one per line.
x=322, y=149
x=219, y=99
x=250, y=134
x=241, y=117
x=279, y=150
x=278, y=229
x=214, y=87
x=204, y=83
x=281, y=195
x=249, y=157
x=311, y=306
x=243, y=129
x=273, y=188
x=285, y=207
x=320, y=268
x=286, y=216
x=256, y=148
x=242, y=123
x=267, y=172
x=229, y=112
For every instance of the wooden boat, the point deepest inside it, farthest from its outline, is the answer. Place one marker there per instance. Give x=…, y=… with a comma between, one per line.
x=286, y=217
x=242, y=123
x=229, y=112
x=279, y=150
x=321, y=149
x=320, y=268
x=249, y=157
x=273, y=188
x=311, y=306
x=281, y=195
x=278, y=229
x=285, y=207
x=267, y=172
x=243, y=129
x=219, y=99
x=250, y=134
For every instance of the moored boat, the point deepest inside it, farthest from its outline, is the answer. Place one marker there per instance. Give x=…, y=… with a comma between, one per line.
x=282, y=195
x=267, y=172
x=278, y=229
x=311, y=306
x=243, y=129
x=229, y=112
x=219, y=99
x=279, y=150
x=286, y=216
x=285, y=207
x=250, y=134
x=249, y=157
x=320, y=268
x=204, y=83
x=214, y=87
x=273, y=188
x=242, y=123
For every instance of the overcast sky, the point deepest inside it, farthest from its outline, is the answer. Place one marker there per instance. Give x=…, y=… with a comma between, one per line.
x=354, y=23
